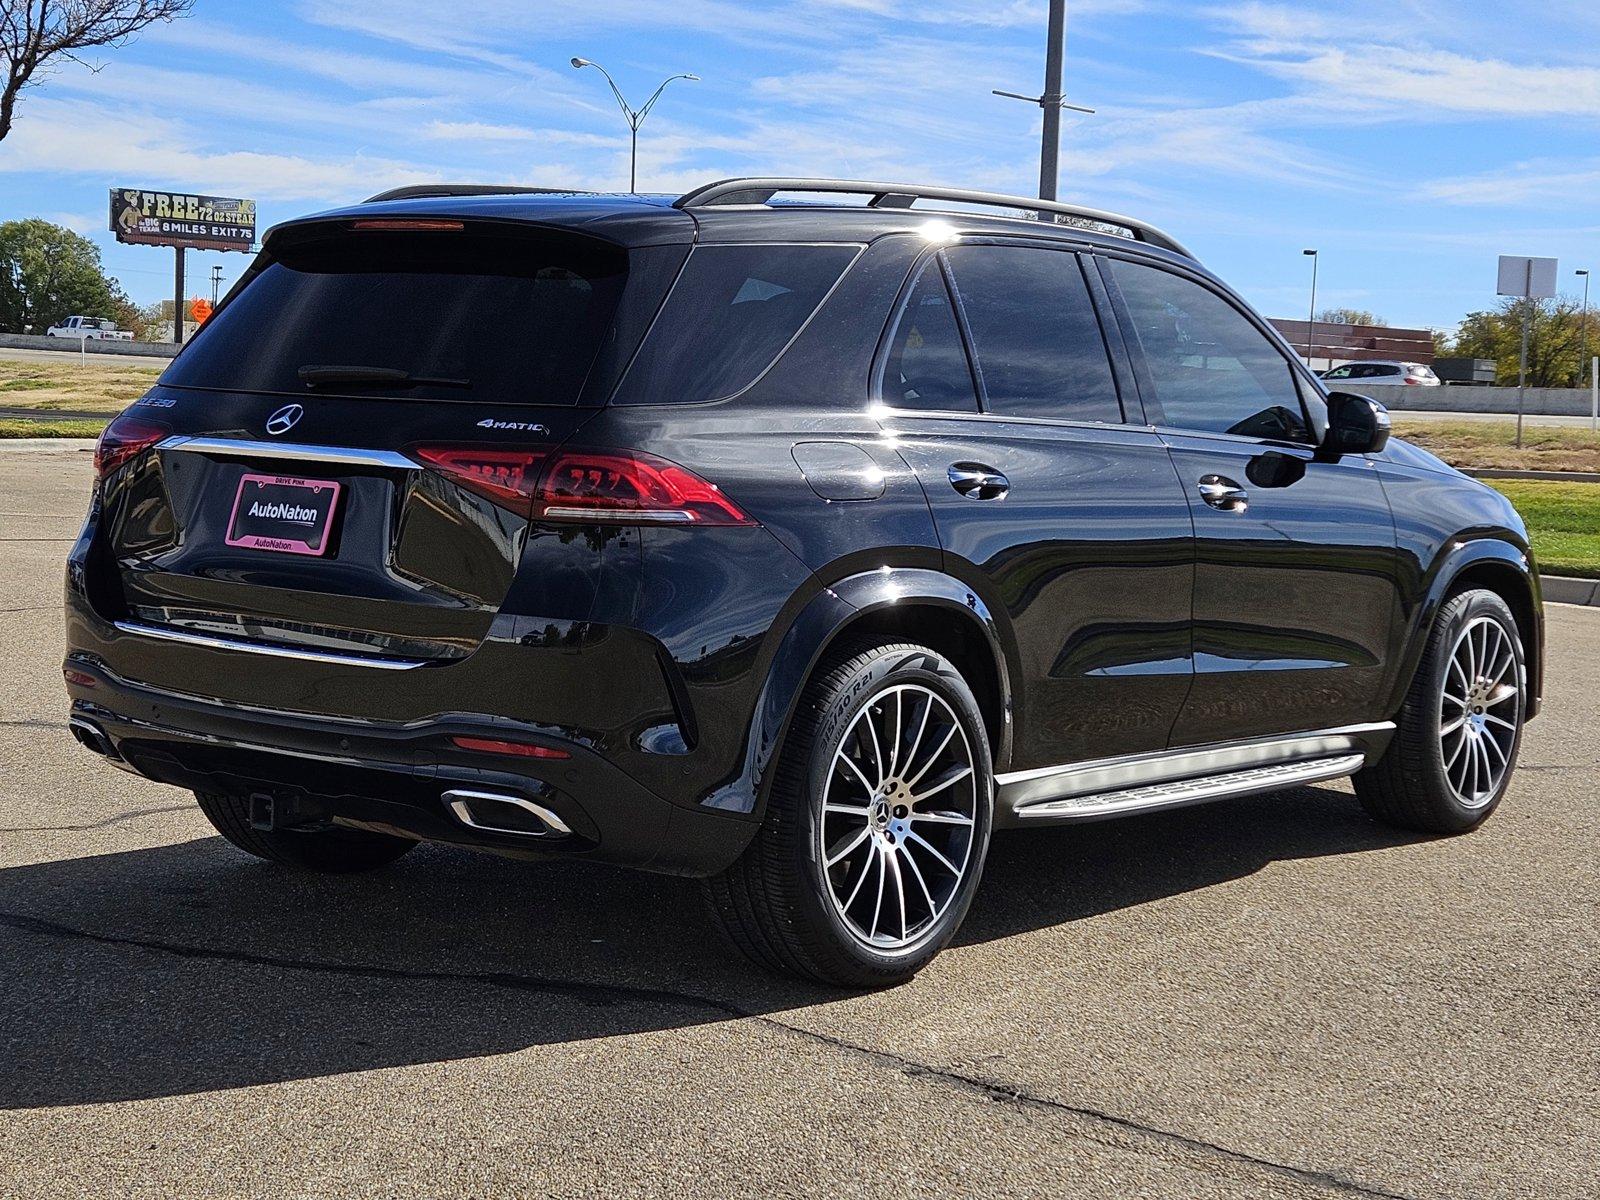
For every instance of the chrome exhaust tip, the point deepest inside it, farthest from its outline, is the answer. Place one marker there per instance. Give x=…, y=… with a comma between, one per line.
x=496, y=812
x=92, y=737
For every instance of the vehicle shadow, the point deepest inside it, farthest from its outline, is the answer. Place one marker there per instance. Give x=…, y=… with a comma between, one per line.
x=188, y=968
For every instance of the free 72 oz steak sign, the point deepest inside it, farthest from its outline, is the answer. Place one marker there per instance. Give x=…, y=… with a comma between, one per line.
x=282, y=513
x=145, y=218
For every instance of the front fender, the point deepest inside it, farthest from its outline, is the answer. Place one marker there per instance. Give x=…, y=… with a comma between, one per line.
x=817, y=627
x=1492, y=557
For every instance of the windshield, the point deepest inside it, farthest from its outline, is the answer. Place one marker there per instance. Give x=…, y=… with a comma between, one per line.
x=459, y=314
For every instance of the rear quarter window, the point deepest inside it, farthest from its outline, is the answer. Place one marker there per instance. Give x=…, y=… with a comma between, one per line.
x=731, y=313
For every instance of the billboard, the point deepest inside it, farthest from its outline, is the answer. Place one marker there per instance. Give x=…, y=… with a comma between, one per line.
x=145, y=218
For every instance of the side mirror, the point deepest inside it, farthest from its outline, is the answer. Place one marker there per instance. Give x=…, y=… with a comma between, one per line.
x=1356, y=425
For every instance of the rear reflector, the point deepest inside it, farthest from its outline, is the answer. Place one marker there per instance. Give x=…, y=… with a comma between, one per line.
x=77, y=678
x=124, y=439
x=584, y=486
x=394, y=225
x=495, y=746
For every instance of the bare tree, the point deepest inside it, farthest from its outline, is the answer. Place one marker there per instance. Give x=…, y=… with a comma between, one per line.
x=34, y=33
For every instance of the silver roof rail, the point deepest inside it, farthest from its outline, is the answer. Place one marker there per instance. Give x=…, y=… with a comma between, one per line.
x=899, y=195
x=421, y=191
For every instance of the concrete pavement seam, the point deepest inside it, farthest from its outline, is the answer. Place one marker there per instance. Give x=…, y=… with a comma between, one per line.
x=614, y=993
x=109, y=821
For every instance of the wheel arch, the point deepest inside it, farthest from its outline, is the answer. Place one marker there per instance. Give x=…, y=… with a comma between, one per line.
x=895, y=604
x=1499, y=566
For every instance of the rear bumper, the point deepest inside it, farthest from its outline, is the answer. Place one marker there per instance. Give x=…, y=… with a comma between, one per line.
x=393, y=777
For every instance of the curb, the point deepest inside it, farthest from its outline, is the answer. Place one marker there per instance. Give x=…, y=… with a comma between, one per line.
x=1550, y=476
x=1561, y=589
x=52, y=414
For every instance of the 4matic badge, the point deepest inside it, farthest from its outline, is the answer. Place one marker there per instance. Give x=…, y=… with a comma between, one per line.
x=513, y=426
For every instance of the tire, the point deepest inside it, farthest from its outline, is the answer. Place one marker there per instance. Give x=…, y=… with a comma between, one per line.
x=334, y=851
x=1455, y=746
x=843, y=883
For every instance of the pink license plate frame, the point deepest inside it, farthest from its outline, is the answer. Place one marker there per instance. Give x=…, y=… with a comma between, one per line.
x=287, y=544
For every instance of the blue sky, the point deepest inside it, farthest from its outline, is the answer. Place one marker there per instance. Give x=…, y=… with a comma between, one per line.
x=1411, y=141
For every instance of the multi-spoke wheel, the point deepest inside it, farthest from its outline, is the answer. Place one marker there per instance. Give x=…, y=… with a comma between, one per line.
x=876, y=828
x=1456, y=746
x=898, y=816
x=1480, y=710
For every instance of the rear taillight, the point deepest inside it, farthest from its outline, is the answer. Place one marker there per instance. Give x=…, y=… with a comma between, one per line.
x=1412, y=379
x=124, y=439
x=631, y=488
x=620, y=487
x=507, y=477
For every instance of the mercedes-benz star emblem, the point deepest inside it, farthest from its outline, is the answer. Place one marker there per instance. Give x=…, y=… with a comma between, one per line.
x=285, y=418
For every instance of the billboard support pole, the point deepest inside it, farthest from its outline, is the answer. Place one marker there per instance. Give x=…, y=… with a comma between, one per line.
x=177, y=296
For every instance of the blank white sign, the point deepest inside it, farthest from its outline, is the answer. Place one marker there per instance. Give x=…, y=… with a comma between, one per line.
x=1529, y=277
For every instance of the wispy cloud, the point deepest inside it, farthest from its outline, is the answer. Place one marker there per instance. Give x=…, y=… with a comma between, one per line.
x=73, y=138
x=1356, y=65
x=1542, y=183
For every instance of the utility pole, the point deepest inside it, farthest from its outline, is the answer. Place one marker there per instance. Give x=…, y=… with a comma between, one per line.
x=1052, y=101
x=216, y=284
x=1055, y=54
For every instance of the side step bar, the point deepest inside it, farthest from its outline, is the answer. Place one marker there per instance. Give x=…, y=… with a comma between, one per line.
x=1177, y=793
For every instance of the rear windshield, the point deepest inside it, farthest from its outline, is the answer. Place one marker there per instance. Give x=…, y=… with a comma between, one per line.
x=461, y=315
x=731, y=313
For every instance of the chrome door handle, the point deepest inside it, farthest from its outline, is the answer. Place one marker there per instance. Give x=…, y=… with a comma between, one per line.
x=1221, y=492
x=978, y=482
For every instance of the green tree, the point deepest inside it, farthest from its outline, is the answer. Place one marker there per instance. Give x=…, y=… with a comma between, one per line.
x=1348, y=316
x=48, y=273
x=1554, y=342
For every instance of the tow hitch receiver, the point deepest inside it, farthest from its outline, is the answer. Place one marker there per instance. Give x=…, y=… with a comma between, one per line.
x=269, y=813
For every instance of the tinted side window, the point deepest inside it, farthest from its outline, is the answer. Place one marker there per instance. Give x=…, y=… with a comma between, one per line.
x=730, y=314
x=1034, y=332
x=927, y=365
x=1213, y=370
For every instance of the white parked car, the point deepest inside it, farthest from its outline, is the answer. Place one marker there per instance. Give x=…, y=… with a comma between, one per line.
x=1368, y=374
x=93, y=329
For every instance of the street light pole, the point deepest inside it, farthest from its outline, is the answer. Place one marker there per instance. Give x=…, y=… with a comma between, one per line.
x=1052, y=101
x=1311, y=320
x=635, y=117
x=1583, y=330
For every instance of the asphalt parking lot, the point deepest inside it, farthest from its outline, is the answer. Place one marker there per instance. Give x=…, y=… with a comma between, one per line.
x=1265, y=997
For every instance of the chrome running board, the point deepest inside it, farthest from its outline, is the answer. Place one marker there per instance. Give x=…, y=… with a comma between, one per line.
x=1192, y=791
x=1188, y=775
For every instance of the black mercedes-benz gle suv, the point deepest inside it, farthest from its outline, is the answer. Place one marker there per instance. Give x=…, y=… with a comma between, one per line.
x=792, y=534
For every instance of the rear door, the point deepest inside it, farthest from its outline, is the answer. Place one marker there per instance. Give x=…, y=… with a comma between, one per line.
x=1055, y=507
x=351, y=436
x=1295, y=585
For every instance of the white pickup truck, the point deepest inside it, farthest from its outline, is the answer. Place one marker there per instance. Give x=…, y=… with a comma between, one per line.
x=93, y=329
